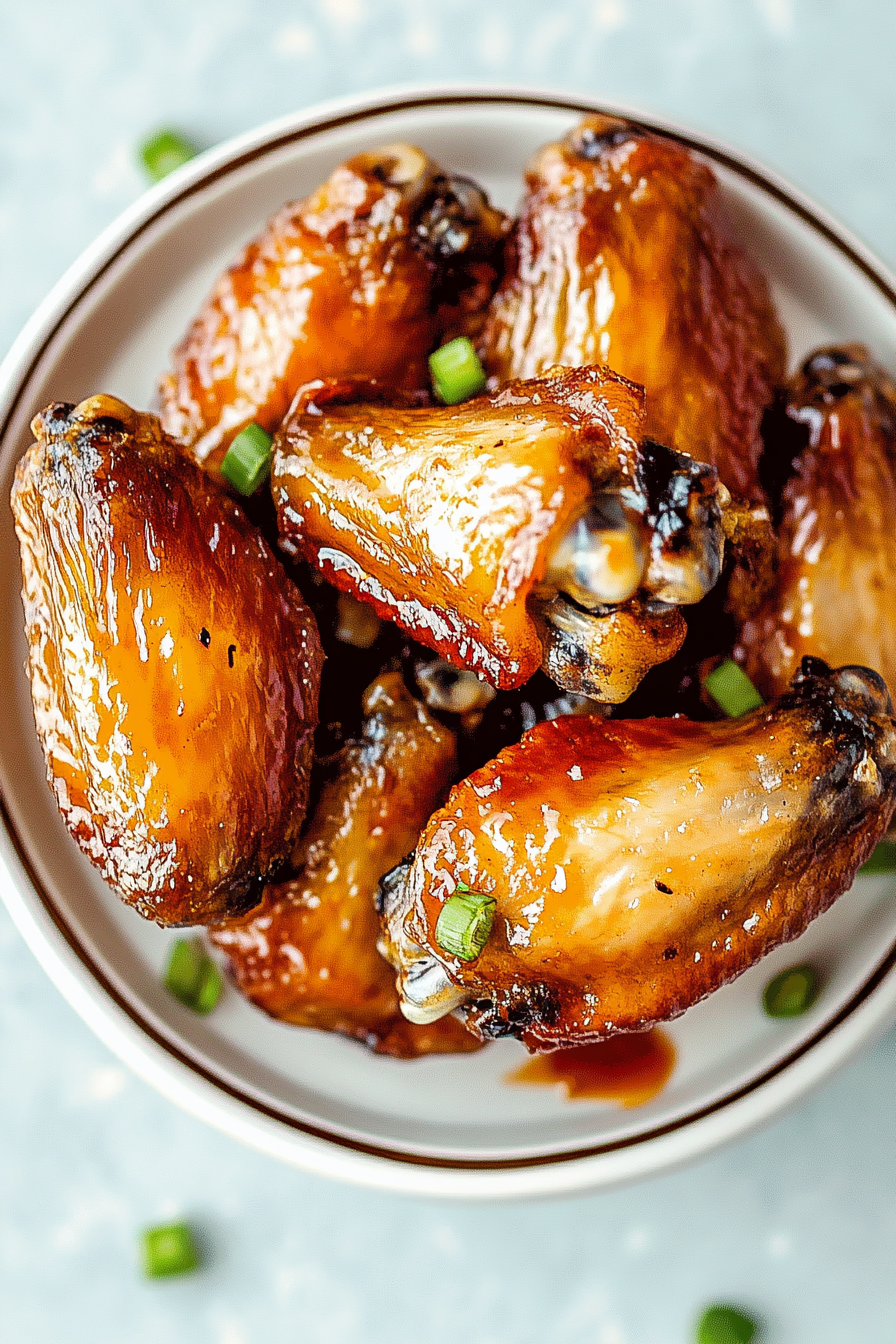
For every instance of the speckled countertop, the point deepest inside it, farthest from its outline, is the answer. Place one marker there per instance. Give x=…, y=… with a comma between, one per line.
x=797, y=1222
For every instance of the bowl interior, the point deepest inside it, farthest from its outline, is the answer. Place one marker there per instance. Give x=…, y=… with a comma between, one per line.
x=116, y=337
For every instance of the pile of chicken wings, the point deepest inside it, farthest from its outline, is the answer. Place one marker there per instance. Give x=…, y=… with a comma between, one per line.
x=419, y=731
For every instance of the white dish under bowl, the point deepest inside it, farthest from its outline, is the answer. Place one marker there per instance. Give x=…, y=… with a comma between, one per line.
x=446, y=1126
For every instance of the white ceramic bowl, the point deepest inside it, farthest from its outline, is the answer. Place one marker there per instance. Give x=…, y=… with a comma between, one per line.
x=449, y=1126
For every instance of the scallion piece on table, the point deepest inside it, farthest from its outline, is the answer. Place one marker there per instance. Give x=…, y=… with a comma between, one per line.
x=248, y=459
x=192, y=976
x=165, y=151
x=791, y=993
x=725, y=1325
x=168, y=1250
x=465, y=922
x=732, y=690
x=883, y=859
x=456, y=371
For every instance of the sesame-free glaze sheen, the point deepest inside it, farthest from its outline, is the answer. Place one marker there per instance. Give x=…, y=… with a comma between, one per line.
x=637, y=865
x=174, y=666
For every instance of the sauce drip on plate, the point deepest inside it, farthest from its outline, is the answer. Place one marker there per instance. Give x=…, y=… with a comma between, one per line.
x=630, y=1069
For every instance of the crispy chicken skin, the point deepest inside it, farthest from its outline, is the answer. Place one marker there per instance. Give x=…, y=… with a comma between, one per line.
x=466, y=524
x=174, y=667
x=624, y=256
x=835, y=595
x=365, y=276
x=308, y=953
x=638, y=865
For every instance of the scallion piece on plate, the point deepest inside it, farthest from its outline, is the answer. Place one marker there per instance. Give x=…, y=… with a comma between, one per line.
x=192, y=976
x=791, y=993
x=725, y=1325
x=732, y=690
x=248, y=459
x=883, y=859
x=456, y=371
x=168, y=1250
x=165, y=151
x=465, y=922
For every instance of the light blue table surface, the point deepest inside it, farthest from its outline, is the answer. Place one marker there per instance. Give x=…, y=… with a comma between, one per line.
x=797, y=1221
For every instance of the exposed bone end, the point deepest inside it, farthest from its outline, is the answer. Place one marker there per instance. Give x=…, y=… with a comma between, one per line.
x=598, y=133
x=601, y=558
x=605, y=656
x=398, y=165
x=453, y=690
x=426, y=991
x=682, y=511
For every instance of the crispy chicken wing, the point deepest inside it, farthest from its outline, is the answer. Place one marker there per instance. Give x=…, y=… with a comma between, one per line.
x=365, y=276
x=637, y=865
x=308, y=954
x=624, y=256
x=174, y=667
x=835, y=595
x=523, y=529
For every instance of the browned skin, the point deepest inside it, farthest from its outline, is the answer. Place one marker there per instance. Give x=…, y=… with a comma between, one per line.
x=174, y=667
x=444, y=518
x=836, y=591
x=365, y=276
x=624, y=255
x=308, y=954
x=639, y=865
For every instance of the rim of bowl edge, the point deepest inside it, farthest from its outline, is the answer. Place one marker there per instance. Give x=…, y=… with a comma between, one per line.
x=158, y=1058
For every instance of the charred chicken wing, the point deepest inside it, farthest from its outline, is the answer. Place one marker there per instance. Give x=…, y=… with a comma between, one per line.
x=624, y=256
x=365, y=276
x=527, y=528
x=629, y=868
x=308, y=954
x=835, y=595
x=174, y=667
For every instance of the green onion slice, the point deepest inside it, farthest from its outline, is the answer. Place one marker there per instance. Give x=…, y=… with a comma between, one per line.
x=248, y=459
x=164, y=152
x=791, y=993
x=725, y=1325
x=456, y=372
x=168, y=1250
x=192, y=976
x=465, y=922
x=732, y=690
x=883, y=859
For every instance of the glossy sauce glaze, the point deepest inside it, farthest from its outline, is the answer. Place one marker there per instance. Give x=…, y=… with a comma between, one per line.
x=630, y=1070
x=624, y=256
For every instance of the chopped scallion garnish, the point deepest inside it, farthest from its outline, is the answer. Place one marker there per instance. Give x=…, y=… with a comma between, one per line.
x=192, y=976
x=882, y=860
x=168, y=1250
x=732, y=690
x=164, y=152
x=456, y=371
x=791, y=993
x=725, y=1325
x=248, y=459
x=465, y=922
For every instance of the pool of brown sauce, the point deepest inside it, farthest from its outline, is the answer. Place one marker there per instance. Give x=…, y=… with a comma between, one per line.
x=630, y=1069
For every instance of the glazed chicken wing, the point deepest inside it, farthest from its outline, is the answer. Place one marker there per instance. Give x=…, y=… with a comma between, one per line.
x=624, y=256
x=835, y=595
x=308, y=954
x=365, y=276
x=523, y=529
x=634, y=866
x=174, y=667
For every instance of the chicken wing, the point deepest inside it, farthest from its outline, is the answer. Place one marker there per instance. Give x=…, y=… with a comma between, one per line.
x=632, y=867
x=624, y=255
x=835, y=595
x=365, y=276
x=174, y=667
x=308, y=954
x=528, y=528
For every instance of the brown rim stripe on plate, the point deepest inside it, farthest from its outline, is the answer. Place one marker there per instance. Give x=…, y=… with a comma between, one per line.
x=131, y=1009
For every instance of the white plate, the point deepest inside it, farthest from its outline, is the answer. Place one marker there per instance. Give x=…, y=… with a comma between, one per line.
x=448, y=1126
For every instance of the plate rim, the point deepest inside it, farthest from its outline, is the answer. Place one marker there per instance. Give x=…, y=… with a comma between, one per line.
x=158, y=1057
